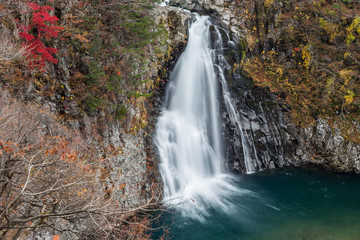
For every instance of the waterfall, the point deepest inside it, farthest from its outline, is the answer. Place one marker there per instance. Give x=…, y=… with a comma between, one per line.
x=235, y=118
x=188, y=133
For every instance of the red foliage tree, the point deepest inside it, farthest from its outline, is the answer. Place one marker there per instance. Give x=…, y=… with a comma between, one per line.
x=41, y=29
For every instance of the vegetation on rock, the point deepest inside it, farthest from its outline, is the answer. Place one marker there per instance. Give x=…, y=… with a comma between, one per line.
x=307, y=52
x=51, y=179
x=59, y=94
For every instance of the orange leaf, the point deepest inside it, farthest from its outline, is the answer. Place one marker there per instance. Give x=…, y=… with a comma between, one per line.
x=82, y=38
x=56, y=237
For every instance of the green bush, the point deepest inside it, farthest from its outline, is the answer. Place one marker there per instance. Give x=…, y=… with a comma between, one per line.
x=91, y=103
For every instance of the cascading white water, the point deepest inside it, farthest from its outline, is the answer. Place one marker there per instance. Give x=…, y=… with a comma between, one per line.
x=234, y=115
x=189, y=132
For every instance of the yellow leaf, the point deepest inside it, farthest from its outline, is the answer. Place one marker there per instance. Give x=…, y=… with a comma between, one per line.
x=349, y=97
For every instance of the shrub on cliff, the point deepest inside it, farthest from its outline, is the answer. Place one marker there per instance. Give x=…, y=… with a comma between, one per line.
x=307, y=53
x=52, y=180
x=42, y=28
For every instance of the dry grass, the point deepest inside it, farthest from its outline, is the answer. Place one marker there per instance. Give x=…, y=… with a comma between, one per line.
x=10, y=50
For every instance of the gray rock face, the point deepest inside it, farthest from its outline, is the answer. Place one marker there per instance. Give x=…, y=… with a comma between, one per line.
x=224, y=10
x=175, y=21
x=191, y=5
x=327, y=148
x=130, y=168
x=276, y=142
x=269, y=142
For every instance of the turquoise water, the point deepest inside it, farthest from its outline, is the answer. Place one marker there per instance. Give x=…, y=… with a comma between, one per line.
x=281, y=205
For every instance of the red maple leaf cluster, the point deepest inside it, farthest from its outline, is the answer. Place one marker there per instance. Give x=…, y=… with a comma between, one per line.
x=41, y=29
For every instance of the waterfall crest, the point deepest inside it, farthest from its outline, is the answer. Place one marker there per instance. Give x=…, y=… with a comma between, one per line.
x=189, y=135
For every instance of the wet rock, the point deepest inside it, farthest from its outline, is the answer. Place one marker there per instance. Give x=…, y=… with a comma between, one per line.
x=191, y=5
x=175, y=21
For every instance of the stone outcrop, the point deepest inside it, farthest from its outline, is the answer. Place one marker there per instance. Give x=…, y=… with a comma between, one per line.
x=225, y=11
x=323, y=145
x=175, y=21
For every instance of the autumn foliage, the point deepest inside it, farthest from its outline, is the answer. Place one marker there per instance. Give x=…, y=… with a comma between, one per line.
x=307, y=53
x=57, y=178
x=42, y=28
x=51, y=180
